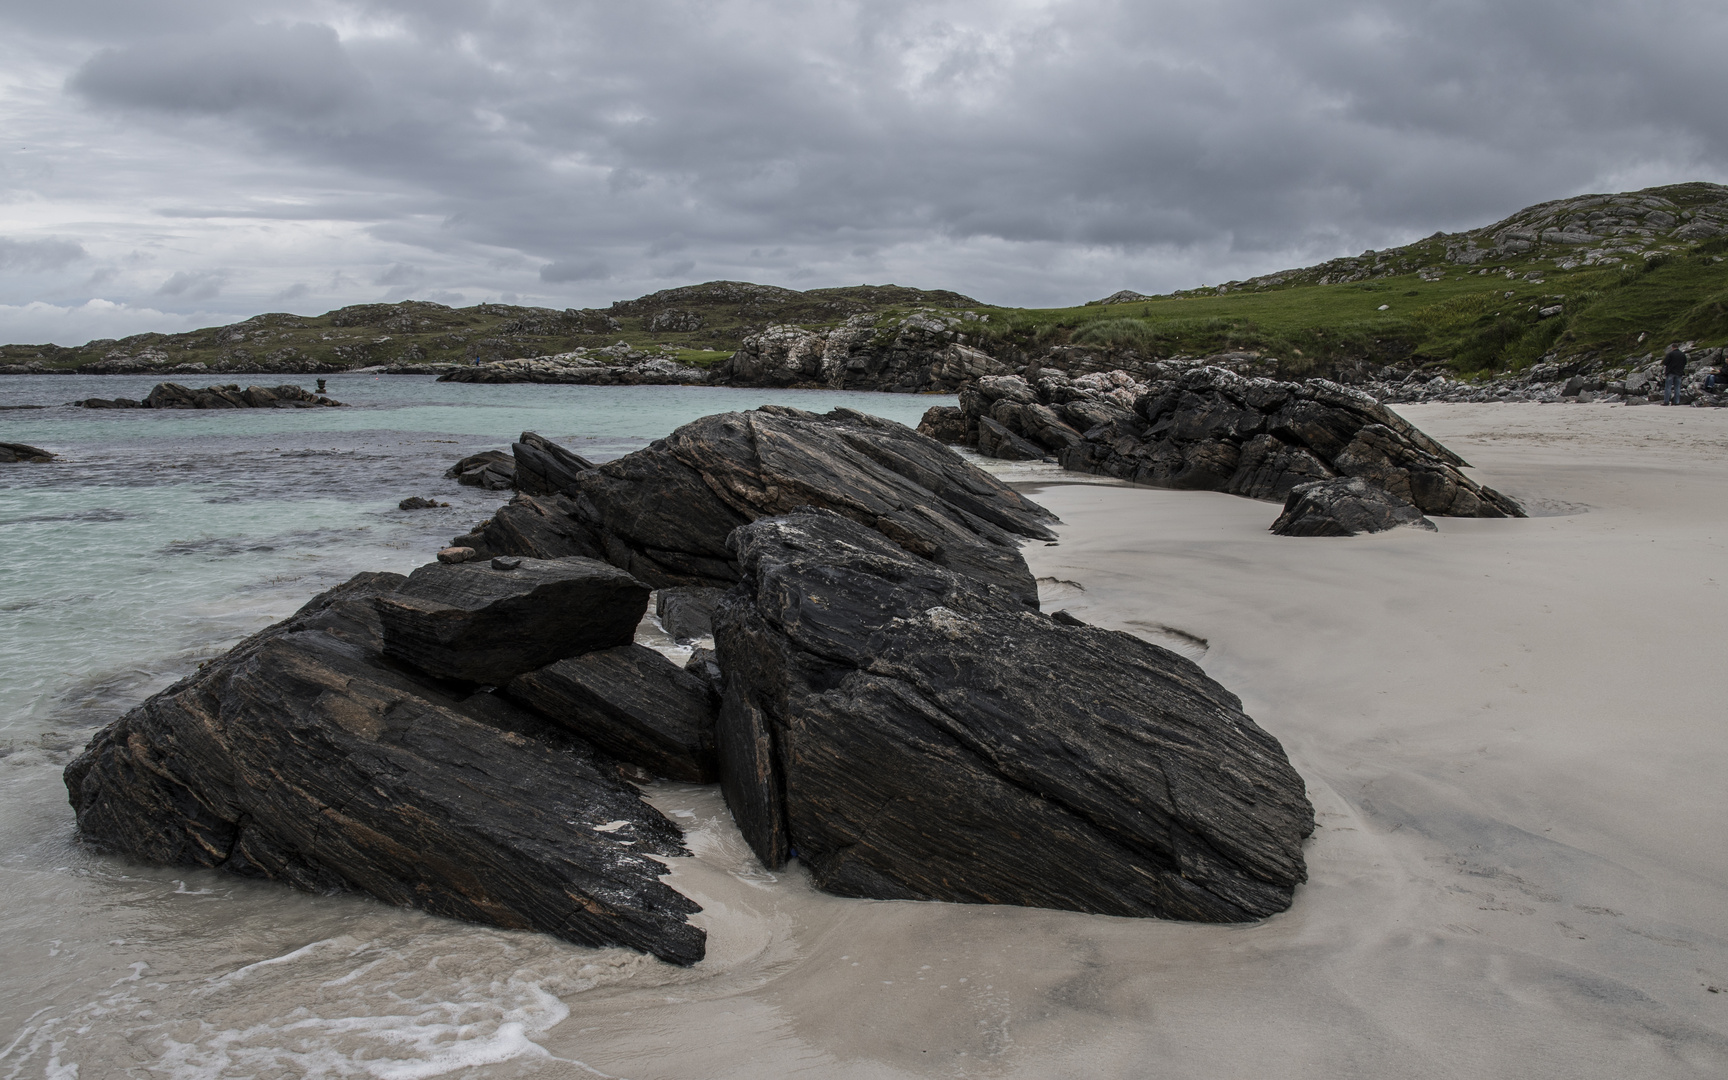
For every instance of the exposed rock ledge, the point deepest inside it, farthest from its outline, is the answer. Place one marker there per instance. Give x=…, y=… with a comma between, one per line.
x=174, y=396
x=1210, y=429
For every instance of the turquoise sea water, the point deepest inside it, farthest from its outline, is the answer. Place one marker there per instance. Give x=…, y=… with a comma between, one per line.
x=159, y=538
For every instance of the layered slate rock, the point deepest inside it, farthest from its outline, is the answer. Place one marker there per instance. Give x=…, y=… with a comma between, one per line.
x=535, y=526
x=1344, y=506
x=543, y=467
x=303, y=756
x=913, y=733
x=664, y=512
x=631, y=702
x=493, y=470
x=1210, y=429
x=487, y=622
x=686, y=612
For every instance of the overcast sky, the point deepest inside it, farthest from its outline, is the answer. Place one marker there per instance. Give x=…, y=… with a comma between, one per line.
x=176, y=164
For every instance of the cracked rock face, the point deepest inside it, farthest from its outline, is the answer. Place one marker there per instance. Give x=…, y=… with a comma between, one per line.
x=910, y=733
x=303, y=756
x=664, y=512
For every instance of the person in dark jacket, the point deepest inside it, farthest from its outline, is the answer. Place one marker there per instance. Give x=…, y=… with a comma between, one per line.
x=1673, y=367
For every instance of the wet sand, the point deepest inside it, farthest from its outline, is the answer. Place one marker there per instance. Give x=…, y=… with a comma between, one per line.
x=1513, y=733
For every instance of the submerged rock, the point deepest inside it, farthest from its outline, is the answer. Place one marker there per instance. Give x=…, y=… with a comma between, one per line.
x=487, y=623
x=17, y=451
x=914, y=733
x=1344, y=506
x=303, y=756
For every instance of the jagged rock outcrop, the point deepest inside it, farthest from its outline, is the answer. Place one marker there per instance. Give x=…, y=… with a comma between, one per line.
x=174, y=396
x=686, y=612
x=913, y=733
x=664, y=512
x=632, y=703
x=1344, y=506
x=304, y=756
x=543, y=467
x=924, y=350
x=487, y=622
x=15, y=452
x=1210, y=429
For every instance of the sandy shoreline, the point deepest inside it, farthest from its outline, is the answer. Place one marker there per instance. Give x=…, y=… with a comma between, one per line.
x=1512, y=732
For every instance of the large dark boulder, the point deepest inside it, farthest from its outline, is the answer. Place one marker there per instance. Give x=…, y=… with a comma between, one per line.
x=1210, y=429
x=686, y=612
x=1344, y=506
x=231, y=396
x=664, y=512
x=303, y=756
x=545, y=468
x=535, y=526
x=631, y=702
x=487, y=622
x=914, y=733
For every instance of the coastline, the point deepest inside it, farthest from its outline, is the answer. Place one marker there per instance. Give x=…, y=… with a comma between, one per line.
x=1515, y=873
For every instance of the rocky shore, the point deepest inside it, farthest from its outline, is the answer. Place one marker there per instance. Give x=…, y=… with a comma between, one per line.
x=1201, y=427
x=884, y=701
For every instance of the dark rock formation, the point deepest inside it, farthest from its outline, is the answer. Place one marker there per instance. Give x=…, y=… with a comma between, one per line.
x=913, y=733
x=174, y=396
x=664, y=512
x=1344, y=506
x=493, y=470
x=415, y=502
x=481, y=623
x=686, y=612
x=538, y=526
x=543, y=467
x=632, y=703
x=1209, y=429
x=921, y=350
x=303, y=757
x=17, y=451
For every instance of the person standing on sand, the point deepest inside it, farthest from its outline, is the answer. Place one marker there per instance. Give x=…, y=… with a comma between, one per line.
x=1673, y=367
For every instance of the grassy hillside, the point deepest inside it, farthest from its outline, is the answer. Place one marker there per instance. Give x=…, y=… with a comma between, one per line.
x=1606, y=276
x=703, y=323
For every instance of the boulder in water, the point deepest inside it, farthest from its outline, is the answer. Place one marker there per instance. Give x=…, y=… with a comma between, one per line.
x=303, y=757
x=16, y=452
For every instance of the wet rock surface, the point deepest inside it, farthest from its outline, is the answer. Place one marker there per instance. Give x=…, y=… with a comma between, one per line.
x=305, y=756
x=912, y=733
x=632, y=703
x=1344, y=506
x=11, y=452
x=487, y=622
x=664, y=512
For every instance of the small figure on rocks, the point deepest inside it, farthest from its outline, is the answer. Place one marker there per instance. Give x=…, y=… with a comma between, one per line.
x=320, y=386
x=1673, y=369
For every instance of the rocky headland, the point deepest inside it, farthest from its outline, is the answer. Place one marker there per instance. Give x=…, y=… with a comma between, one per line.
x=174, y=396
x=885, y=702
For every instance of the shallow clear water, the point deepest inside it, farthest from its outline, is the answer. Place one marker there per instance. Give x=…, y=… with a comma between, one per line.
x=160, y=538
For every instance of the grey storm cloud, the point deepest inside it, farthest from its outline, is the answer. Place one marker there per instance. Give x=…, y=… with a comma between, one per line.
x=193, y=285
x=593, y=139
x=49, y=254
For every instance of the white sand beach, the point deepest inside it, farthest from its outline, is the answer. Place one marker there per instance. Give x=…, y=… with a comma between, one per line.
x=1513, y=732
x=1514, y=736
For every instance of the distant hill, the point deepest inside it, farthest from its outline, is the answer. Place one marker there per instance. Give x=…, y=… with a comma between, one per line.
x=1591, y=277
x=703, y=323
